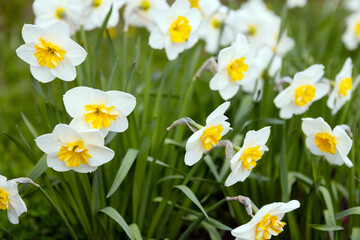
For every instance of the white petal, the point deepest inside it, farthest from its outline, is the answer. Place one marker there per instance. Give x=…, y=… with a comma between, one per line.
x=99, y=155
x=349, y=40
x=48, y=143
x=75, y=53
x=93, y=137
x=220, y=80
x=315, y=71
x=310, y=144
x=120, y=125
x=313, y=126
x=225, y=58
x=284, y=98
x=285, y=207
x=17, y=204
x=58, y=34
x=193, y=153
x=255, y=138
x=172, y=49
x=31, y=33
x=344, y=142
x=75, y=100
x=322, y=89
x=55, y=163
x=220, y=110
x=26, y=53
x=157, y=39
x=125, y=102
x=194, y=137
x=246, y=231
x=229, y=91
x=65, y=70
x=66, y=134
x=42, y=74
x=13, y=218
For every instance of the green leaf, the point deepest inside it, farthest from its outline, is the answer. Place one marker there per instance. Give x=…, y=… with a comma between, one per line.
x=213, y=232
x=29, y=126
x=136, y=231
x=187, y=191
x=111, y=212
x=347, y=212
x=329, y=205
x=355, y=235
x=126, y=164
x=326, y=228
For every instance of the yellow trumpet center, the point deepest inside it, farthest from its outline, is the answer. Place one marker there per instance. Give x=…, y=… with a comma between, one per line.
x=194, y=3
x=180, y=30
x=357, y=29
x=73, y=154
x=325, y=142
x=250, y=156
x=4, y=199
x=252, y=30
x=304, y=94
x=216, y=23
x=48, y=55
x=211, y=136
x=60, y=13
x=144, y=5
x=100, y=116
x=96, y=3
x=345, y=86
x=237, y=69
x=269, y=225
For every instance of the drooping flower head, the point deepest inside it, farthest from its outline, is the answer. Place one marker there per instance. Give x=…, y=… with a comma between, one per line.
x=209, y=136
x=266, y=222
x=96, y=109
x=245, y=160
x=50, y=52
x=305, y=88
x=70, y=149
x=234, y=64
x=177, y=28
x=321, y=140
x=10, y=200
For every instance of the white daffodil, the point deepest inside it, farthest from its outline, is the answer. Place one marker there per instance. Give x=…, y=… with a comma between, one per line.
x=49, y=12
x=351, y=37
x=352, y=5
x=211, y=29
x=305, y=88
x=344, y=85
x=334, y=145
x=266, y=222
x=281, y=48
x=96, y=109
x=95, y=12
x=50, y=52
x=139, y=13
x=260, y=25
x=10, y=200
x=296, y=3
x=234, y=64
x=176, y=28
x=69, y=149
x=209, y=136
x=245, y=160
x=256, y=73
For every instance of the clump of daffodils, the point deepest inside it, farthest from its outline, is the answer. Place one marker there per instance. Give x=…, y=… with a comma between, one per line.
x=321, y=140
x=10, y=200
x=50, y=52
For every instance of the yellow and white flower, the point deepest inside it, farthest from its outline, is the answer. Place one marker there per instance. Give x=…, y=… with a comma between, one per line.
x=95, y=12
x=176, y=29
x=96, y=109
x=351, y=37
x=305, y=88
x=49, y=12
x=69, y=149
x=234, y=64
x=139, y=13
x=266, y=222
x=209, y=136
x=10, y=200
x=50, y=52
x=334, y=145
x=296, y=3
x=344, y=85
x=245, y=159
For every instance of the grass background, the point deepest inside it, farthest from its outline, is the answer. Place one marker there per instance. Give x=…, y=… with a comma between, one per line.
x=146, y=198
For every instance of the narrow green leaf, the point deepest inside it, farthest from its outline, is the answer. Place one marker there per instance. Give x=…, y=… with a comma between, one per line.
x=329, y=205
x=187, y=191
x=29, y=126
x=355, y=235
x=347, y=212
x=126, y=164
x=213, y=232
x=111, y=212
x=136, y=231
x=326, y=228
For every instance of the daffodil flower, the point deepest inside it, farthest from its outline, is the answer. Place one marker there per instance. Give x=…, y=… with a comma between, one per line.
x=70, y=149
x=246, y=158
x=209, y=136
x=95, y=12
x=10, y=200
x=266, y=222
x=334, y=145
x=96, y=109
x=139, y=13
x=351, y=37
x=234, y=64
x=296, y=3
x=49, y=12
x=50, y=52
x=176, y=28
x=305, y=88
x=344, y=85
